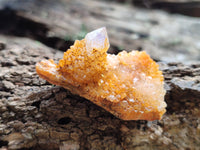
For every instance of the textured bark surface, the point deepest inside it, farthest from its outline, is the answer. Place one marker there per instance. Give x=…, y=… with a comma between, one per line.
x=165, y=37
x=37, y=115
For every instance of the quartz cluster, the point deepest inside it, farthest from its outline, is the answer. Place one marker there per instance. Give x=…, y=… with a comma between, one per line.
x=129, y=85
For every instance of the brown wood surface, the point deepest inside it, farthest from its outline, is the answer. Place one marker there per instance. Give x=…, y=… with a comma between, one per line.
x=37, y=115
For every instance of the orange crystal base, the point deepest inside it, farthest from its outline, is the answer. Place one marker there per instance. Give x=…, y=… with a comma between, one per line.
x=129, y=85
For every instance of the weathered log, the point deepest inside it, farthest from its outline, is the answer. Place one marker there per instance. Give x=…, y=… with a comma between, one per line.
x=165, y=37
x=186, y=7
x=37, y=115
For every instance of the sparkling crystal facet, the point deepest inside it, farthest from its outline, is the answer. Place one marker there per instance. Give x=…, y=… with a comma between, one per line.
x=98, y=40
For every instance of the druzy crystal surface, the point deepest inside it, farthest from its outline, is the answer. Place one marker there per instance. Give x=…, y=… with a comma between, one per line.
x=129, y=85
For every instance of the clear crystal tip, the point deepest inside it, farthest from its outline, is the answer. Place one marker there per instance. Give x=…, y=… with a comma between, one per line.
x=97, y=39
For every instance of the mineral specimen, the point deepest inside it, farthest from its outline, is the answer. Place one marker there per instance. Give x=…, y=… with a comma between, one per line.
x=129, y=85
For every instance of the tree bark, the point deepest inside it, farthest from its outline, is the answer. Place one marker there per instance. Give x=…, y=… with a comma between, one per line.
x=37, y=115
x=57, y=24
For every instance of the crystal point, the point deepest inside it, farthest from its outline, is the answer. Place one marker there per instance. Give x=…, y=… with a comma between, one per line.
x=97, y=39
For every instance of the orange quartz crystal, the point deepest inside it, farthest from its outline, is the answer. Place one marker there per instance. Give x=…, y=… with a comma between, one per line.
x=129, y=85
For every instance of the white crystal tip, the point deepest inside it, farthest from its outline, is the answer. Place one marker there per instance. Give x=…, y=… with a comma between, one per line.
x=97, y=39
